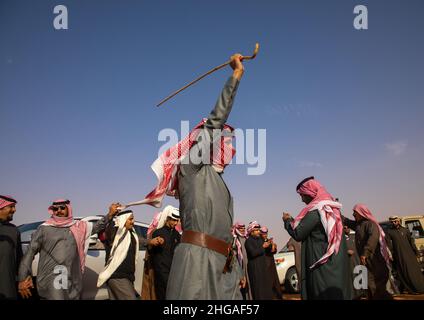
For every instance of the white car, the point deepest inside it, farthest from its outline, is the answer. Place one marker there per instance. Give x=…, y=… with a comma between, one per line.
x=285, y=263
x=95, y=259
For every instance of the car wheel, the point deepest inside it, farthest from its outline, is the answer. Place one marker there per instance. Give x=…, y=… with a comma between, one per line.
x=291, y=283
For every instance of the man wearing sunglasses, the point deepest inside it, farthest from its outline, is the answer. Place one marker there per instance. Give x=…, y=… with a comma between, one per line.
x=62, y=243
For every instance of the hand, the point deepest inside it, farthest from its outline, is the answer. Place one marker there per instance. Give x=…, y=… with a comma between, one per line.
x=236, y=62
x=350, y=252
x=114, y=209
x=243, y=283
x=236, y=65
x=266, y=244
x=286, y=216
x=158, y=241
x=363, y=260
x=24, y=287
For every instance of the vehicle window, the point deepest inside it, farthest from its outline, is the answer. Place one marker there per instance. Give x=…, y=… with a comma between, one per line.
x=385, y=226
x=284, y=249
x=95, y=243
x=27, y=230
x=415, y=226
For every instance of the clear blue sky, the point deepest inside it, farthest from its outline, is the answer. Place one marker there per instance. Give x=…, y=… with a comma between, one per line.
x=78, y=115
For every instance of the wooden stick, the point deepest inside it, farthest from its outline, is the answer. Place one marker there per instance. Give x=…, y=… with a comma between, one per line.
x=255, y=52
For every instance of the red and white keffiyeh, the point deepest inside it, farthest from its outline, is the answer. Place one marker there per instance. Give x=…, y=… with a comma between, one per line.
x=252, y=226
x=236, y=232
x=166, y=167
x=81, y=230
x=264, y=230
x=329, y=211
x=365, y=213
x=6, y=201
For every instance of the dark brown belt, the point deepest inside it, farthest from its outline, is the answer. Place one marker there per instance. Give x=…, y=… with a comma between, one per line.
x=206, y=241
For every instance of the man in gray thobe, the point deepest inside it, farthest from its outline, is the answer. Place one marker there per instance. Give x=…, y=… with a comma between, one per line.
x=61, y=262
x=206, y=209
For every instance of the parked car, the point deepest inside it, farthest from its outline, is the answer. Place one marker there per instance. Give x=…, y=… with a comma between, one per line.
x=95, y=259
x=285, y=263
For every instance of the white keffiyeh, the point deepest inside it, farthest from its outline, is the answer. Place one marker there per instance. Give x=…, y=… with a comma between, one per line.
x=120, y=247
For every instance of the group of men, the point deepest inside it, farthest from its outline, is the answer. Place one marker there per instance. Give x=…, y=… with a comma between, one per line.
x=207, y=261
x=254, y=252
x=207, y=216
x=327, y=261
x=62, y=243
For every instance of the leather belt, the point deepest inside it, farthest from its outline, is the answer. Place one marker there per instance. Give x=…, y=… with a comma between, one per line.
x=206, y=241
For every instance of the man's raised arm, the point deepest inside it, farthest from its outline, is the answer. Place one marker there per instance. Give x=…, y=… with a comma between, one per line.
x=219, y=115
